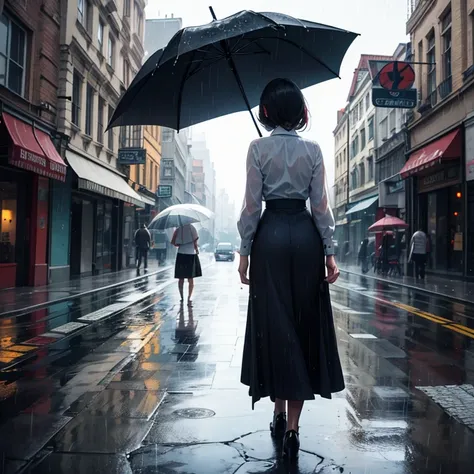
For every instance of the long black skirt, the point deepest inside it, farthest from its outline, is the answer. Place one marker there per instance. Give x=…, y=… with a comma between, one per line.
x=187, y=266
x=290, y=348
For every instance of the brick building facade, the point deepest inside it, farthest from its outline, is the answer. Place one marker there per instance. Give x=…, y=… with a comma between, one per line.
x=29, y=160
x=439, y=172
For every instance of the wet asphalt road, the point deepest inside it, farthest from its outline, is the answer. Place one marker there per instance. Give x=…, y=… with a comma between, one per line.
x=155, y=388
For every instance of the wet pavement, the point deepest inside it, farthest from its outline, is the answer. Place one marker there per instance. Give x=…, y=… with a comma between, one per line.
x=154, y=387
x=24, y=299
x=462, y=291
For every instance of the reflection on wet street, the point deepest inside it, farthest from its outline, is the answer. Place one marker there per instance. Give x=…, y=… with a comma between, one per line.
x=132, y=381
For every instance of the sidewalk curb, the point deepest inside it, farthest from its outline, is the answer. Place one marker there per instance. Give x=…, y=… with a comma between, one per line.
x=411, y=287
x=28, y=309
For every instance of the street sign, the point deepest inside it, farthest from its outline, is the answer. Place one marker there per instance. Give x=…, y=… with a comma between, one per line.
x=397, y=76
x=164, y=191
x=404, y=99
x=392, y=84
x=132, y=156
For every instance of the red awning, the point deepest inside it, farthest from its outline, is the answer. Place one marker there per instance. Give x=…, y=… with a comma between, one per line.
x=445, y=148
x=33, y=150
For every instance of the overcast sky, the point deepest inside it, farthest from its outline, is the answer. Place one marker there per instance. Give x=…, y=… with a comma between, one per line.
x=381, y=24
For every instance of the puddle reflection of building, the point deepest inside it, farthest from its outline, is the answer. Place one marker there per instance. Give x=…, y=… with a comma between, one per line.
x=186, y=334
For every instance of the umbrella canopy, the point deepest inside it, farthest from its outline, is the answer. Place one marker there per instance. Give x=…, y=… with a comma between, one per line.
x=179, y=215
x=388, y=222
x=220, y=68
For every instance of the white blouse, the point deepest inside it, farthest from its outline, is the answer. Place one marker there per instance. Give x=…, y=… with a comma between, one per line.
x=285, y=166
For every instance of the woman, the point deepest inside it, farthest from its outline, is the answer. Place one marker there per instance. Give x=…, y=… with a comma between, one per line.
x=363, y=256
x=290, y=350
x=187, y=260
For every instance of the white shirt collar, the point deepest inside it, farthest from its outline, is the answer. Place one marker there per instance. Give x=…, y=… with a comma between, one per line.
x=282, y=131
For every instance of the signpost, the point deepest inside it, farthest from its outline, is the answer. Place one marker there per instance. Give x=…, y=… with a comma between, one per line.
x=132, y=156
x=164, y=191
x=392, y=84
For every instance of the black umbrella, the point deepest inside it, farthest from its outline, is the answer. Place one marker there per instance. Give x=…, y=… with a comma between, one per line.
x=220, y=68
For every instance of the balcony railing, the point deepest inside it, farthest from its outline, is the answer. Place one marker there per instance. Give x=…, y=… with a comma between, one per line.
x=445, y=88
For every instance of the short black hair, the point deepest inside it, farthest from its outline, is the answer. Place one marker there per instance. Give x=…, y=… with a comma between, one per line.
x=282, y=104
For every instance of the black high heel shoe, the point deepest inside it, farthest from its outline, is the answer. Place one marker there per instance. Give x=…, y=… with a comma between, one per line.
x=291, y=444
x=278, y=426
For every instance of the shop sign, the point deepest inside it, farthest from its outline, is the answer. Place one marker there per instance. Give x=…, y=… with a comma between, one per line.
x=441, y=179
x=392, y=84
x=132, y=156
x=164, y=191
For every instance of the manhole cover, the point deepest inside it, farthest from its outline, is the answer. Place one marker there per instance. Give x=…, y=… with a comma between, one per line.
x=195, y=413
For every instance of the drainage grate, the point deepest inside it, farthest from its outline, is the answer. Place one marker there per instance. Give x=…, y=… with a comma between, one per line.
x=195, y=413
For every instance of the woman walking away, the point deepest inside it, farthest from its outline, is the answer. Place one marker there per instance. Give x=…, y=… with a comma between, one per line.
x=290, y=349
x=187, y=260
x=363, y=256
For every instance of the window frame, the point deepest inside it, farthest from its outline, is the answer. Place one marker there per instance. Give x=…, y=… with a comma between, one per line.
x=100, y=120
x=110, y=133
x=111, y=51
x=88, y=126
x=8, y=56
x=76, y=105
x=431, y=84
x=100, y=35
x=446, y=31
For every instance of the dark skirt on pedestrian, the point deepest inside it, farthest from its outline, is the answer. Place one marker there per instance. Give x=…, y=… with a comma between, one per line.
x=187, y=266
x=290, y=347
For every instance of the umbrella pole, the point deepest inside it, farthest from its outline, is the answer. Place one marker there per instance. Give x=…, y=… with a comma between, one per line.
x=230, y=61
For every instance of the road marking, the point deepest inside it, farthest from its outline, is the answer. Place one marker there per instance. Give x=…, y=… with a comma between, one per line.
x=459, y=328
x=363, y=336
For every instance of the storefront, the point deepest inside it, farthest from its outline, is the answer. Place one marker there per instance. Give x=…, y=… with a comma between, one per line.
x=28, y=160
x=469, y=170
x=361, y=216
x=438, y=179
x=101, y=198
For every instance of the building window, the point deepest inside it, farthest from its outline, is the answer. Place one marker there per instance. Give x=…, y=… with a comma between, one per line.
x=100, y=36
x=76, y=99
x=371, y=129
x=393, y=120
x=362, y=139
x=100, y=120
x=367, y=101
x=84, y=14
x=354, y=184
x=126, y=73
x=126, y=8
x=12, y=55
x=167, y=168
x=362, y=174
x=431, y=60
x=138, y=20
x=111, y=52
x=8, y=221
x=446, y=36
x=370, y=168
x=89, y=109
x=110, y=138
x=384, y=128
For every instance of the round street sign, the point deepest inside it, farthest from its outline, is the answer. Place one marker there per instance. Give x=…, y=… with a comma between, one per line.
x=397, y=76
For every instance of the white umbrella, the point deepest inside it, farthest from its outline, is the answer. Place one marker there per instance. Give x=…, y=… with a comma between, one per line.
x=179, y=215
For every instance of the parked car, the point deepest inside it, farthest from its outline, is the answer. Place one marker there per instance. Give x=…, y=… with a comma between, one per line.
x=224, y=252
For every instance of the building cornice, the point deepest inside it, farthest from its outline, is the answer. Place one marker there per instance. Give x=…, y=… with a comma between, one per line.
x=419, y=14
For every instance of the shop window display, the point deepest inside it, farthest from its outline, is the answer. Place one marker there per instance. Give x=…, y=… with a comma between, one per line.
x=8, y=212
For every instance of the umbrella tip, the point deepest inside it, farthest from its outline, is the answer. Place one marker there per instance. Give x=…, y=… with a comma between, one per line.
x=214, y=17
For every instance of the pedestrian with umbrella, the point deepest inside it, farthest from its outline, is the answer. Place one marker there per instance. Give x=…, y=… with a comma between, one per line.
x=212, y=70
x=185, y=238
x=187, y=264
x=290, y=348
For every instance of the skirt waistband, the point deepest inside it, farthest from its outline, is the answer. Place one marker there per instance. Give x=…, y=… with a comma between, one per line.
x=283, y=204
